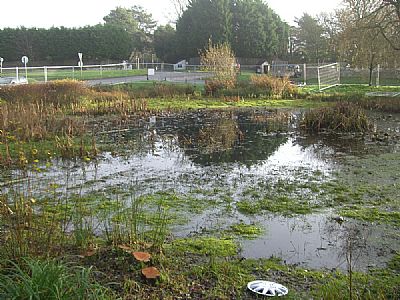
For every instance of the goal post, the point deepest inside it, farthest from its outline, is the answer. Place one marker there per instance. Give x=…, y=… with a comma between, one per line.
x=328, y=76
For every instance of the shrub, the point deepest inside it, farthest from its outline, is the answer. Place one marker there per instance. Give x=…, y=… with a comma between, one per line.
x=273, y=86
x=342, y=117
x=214, y=86
x=220, y=60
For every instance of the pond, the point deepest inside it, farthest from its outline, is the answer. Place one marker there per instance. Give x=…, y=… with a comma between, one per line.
x=217, y=170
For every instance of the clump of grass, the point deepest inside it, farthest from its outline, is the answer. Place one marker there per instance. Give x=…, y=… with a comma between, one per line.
x=36, y=279
x=342, y=117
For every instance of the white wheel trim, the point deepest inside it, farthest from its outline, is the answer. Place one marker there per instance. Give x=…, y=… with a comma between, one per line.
x=267, y=288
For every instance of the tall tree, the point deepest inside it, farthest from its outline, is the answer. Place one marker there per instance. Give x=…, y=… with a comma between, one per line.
x=311, y=44
x=249, y=29
x=361, y=41
x=122, y=18
x=383, y=15
x=136, y=21
x=179, y=6
x=249, y=26
x=204, y=19
x=165, y=44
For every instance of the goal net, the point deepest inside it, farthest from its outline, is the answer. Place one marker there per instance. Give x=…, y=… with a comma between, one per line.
x=328, y=76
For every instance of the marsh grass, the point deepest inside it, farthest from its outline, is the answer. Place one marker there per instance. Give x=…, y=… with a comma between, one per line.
x=27, y=229
x=389, y=105
x=57, y=93
x=341, y=117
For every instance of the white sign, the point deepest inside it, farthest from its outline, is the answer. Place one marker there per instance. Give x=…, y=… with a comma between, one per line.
x=24, y=60
x=150, y=72
x=1, y=59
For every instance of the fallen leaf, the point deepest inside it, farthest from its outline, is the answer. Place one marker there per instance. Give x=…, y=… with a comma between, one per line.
x=151, y=273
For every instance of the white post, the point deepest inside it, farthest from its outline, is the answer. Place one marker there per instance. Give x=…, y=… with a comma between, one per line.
x=73, y=72
x=1, y=65
x=25, y=60
x=319, y=79
x=80, y=56
x=45, y=74
x=305, y=73
x=101, y=71
x=17, y=73
x=338, y=69
x=378, y=75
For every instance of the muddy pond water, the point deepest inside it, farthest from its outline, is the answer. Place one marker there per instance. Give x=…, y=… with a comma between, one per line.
x=250, y=167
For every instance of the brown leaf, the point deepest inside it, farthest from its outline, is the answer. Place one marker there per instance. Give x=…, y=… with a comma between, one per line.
x=151, y=273
x=142, y=256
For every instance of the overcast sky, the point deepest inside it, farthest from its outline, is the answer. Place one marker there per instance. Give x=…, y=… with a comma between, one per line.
x=76, y=13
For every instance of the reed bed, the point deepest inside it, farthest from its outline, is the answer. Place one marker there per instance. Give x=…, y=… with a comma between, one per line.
x=342, y=117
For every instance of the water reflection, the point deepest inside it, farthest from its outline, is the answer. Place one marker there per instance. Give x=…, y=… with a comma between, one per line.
x=318, y=241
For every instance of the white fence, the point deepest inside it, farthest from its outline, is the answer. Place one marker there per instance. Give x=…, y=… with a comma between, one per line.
x=301, y=73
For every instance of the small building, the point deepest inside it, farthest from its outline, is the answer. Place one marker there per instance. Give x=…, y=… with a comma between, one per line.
x=265, y=68
x=180, y=66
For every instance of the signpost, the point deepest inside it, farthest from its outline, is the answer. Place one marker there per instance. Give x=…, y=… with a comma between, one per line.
x=150, y=72
x=25, y=61
x=1, y=65
x=80, y=63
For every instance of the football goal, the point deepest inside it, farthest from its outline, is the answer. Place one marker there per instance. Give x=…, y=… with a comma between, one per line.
x=328, y=76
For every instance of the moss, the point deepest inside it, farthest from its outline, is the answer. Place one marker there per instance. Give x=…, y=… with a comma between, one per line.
x=280, y=205
x=372, y=215
x=206, y=246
